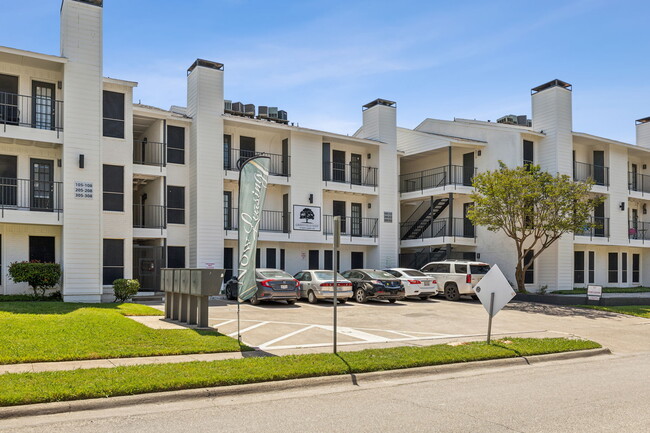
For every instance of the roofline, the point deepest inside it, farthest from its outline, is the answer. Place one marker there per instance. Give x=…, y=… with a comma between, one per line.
x=160, y=113
x=449, y=138
x=610, y=141
x=34, y=55
x=120, y=82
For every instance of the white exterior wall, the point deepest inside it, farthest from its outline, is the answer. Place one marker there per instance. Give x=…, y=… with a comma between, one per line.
x=643, y=134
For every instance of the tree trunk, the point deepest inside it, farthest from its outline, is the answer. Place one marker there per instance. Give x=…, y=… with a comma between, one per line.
x=520, y=276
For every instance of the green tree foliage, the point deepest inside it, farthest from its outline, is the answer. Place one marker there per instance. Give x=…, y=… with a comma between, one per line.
x=532, y=207
x=40, y=276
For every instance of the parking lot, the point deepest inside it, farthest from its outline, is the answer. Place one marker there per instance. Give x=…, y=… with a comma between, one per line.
x=303, y=327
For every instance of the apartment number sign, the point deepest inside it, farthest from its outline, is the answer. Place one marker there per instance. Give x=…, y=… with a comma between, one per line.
x=83, y=190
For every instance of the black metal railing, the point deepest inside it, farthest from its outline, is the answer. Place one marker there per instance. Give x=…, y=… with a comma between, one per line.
x=639, y=230
x=437, y=177
x=598, y=173
x=271, y=221
x=34, y=195
x=353, y=174
x=149, y=216
x=31, y=111
x=149, y=153
x=279, y=166
x=352, y=226
x=638, y=182
x=597, y=227
x=441, y=227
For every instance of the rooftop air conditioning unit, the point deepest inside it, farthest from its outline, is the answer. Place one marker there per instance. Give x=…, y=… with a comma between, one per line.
x=238, y=107
x=273, y=112
x=510, y=119
x=282, y=115
x=263, y=112
x=249, y=110
x=227, y=105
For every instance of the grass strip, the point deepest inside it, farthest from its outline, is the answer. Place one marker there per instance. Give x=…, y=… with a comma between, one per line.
x=605, y=290
x=57, y=331
x=28, y=388
x=631, y=310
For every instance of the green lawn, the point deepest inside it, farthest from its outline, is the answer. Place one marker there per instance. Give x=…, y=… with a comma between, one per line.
x=632, y=310
x=57, y=331
x=27, y=388
x=605, y=290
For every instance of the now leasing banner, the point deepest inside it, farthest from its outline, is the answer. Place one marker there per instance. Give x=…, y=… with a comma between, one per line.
x=253, y=178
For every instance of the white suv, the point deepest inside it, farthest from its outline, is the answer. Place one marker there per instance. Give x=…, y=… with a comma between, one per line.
x=456, y=277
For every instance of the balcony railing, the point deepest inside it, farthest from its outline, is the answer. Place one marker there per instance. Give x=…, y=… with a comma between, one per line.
x=597, y=227
x=638, y=182
x=149, y=153
x=639, y=230
x=149, y=216
x=31, y=111
x=352, y=226
x=598, y=173
x=441, y=227
x=271, y=221
x=279, y=163
x=437, y=177
x=33, y=195
x=353, y=174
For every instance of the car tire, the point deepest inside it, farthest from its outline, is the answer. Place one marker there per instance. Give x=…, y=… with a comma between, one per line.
x=229, y=293
x=360, y=296
x=254, y=300
x=392, y=301
x=291, y=301
x=474, y=297
x=451, y=292
x=311, y=297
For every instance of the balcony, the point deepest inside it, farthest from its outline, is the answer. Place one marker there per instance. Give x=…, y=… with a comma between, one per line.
x=638, y=230
x=352, y=174
x=443, y=227
x=352, y=226
x=583, y=172
x=638, y=182
x=149, y=216
x=436, y=178
x=149, y=153
x=279, y=165
x=31, y=112
x=271, y=221
x=598, y=227
x=31, y=195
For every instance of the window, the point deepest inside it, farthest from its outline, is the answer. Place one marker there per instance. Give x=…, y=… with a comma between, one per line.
x=113, y=260
x=624, y=267
x=314, y=259
x=8, y=181
x=270, y=257
x=612, y=275
x=329, y=264
x=282, y=258
x=528, y=153
x=356, y=259
x=258, y=259
x=529, y=277
x=579, y=267
x=113, y=114
x=442, y=267
x=460, y=269
x=176, y=257
x=227, y=210
x=176, y=205
x=227, y=145
x=636, y=262
x=114, y=188
x=175, y=144
x=228, y=263
x=592, y=267
x=41, y=249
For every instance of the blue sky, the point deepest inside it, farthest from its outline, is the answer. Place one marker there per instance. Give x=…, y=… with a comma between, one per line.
x=321, y=61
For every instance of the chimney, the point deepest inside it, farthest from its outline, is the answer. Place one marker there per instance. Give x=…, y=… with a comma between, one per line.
x=643, y=132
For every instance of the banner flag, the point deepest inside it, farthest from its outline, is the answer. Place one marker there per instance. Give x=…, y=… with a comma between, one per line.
x=253, y=179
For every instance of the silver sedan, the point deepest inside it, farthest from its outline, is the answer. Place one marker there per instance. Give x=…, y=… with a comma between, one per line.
x=319, y=284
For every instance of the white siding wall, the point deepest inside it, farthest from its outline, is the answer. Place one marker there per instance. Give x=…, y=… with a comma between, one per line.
x=643, y=134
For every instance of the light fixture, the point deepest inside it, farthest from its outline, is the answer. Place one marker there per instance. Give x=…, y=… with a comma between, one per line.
x=81, y=161
x=59, y=84
x=369, y=205
x=58, y=163
x=644, y=166
x=622, y=205
x=369, y=155
x=644, y=209
x=479, y=152
x=311, y=198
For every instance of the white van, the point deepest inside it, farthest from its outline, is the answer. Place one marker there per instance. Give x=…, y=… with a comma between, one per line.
x=456, y=277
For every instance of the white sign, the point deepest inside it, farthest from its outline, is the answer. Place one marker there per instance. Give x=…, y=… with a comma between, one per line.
x=594, y=293
x=306, y=218
x=494, y=282
x=83, y=190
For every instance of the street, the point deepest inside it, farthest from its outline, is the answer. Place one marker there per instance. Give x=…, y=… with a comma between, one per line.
x=603, y=394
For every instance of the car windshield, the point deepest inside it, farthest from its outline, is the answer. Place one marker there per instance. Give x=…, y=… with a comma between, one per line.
x=379, y=274
x=479, y=269
x=414, y=273
x=327, y=275
x=274, y=273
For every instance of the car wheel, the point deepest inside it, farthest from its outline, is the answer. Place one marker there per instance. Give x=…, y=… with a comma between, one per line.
x=291, y=301
x=229, y=294
x=392, y=301
x=311, y=297
x=451, y=292
x=254, y=300
x=360, y=296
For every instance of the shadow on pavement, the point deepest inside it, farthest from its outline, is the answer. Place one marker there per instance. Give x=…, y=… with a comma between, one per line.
x=560, y=311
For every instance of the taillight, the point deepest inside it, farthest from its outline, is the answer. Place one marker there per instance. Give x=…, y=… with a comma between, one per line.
x=297, y=284
x=265, y=283
x=327, y=284
x=434, y=282
x=415, y=281
x=468, y=280
x=338, y=284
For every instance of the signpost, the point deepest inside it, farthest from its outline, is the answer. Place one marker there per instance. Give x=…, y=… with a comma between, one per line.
x=594, y=293
x=337, y=243
x=494, y=292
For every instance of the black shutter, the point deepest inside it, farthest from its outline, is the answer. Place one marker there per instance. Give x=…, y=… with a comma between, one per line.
x=357, y=259
x=528, y=153
x=113, y=180
x=113, y=105
x=612, y=274
x=113, y=260
x=175, y=257
x=176, y=205
x=175, y=144
x=270, y=258
x=579, y=267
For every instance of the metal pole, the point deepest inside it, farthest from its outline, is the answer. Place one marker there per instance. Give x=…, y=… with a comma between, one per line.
x=489, y=333
x=238, y=326
x=336, y=240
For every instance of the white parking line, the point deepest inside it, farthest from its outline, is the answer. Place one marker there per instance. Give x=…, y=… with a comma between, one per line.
x=291, y=334
x=234, y=334
x=223, y=323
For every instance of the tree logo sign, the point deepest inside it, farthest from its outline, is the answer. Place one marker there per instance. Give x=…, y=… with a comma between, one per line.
x=306, y=218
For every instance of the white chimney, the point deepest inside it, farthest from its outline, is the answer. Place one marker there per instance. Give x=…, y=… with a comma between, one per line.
x=643, y=132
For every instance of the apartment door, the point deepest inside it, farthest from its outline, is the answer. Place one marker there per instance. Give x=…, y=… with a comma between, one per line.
x=338, y=209
x=285, y=157
x=314, y=259
x=246, y=148
x=147, y=261
x=468, y=227
x=633, y=177
x=42, y=185
x=8, y=180
x=468, y=168
x=634, y=224
x=227, y=210
x=43, y=105
x=338, y=166
x=228, y=265
x=355, y=169
x=285, y=213
x=327, y=174
x=599, y=167
x=599, y=220
x=356, y=221
x=9, y=99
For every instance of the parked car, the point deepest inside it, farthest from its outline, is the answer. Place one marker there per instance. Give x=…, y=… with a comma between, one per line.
x=319, y=284
x=456, y=277
x=416, y=283
x=272, y=285
x=374, y=284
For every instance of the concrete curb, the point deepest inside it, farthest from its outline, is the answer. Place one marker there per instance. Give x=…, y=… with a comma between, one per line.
x=223, y=391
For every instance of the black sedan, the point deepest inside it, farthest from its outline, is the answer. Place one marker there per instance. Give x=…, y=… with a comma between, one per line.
x=272, y=285
x=374, y=284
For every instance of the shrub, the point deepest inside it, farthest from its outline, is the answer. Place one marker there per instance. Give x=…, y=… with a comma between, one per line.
x=123, y=289
x=40, y=276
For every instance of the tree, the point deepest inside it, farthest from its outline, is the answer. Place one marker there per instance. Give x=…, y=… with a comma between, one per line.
x=307, y=214
x=532, y=207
